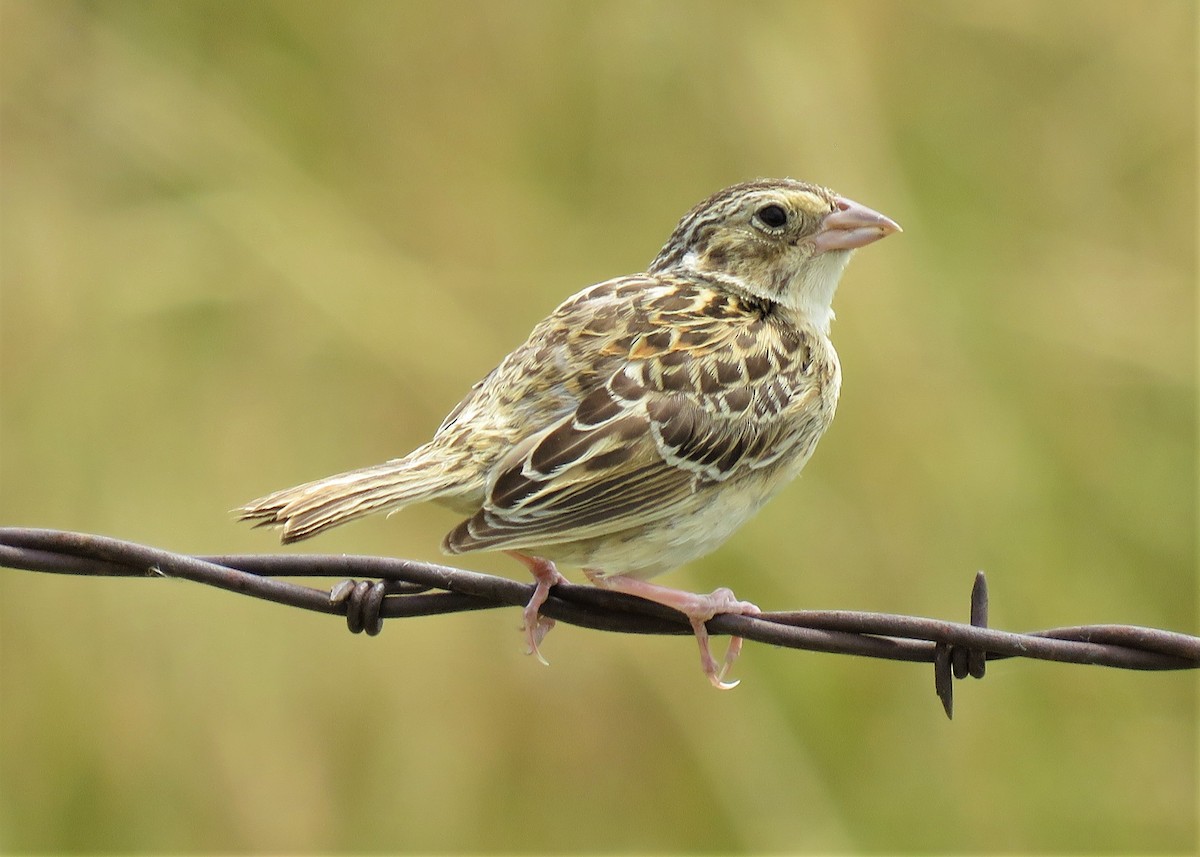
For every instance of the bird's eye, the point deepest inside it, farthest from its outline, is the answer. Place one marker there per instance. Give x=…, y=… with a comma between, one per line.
x=773, y=216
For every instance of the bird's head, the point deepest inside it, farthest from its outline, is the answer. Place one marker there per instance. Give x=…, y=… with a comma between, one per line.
x=780, y=240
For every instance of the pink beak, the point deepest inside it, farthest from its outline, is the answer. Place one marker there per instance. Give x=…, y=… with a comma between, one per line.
x=852, y=226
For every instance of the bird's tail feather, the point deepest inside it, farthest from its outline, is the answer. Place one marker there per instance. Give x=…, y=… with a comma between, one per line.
x=308, y=509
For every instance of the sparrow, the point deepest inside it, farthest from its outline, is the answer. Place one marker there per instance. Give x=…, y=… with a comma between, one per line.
x=646, y=418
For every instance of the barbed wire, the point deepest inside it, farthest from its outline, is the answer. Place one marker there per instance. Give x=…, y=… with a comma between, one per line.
x=371, y=589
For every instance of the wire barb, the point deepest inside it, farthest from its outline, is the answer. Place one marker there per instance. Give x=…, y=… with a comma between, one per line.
x=958, y=661
x=372, y=589
x=363, y=601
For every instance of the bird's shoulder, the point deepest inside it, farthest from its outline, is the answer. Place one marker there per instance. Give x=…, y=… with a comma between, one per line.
x=695, y=341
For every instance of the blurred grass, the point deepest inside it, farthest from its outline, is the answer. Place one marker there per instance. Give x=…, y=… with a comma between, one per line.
x=248, y=244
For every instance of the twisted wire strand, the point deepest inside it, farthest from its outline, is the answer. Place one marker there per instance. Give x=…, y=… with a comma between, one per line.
x=394, y=588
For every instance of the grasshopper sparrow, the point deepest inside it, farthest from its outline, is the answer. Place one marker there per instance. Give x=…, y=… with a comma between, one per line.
x=647, y=418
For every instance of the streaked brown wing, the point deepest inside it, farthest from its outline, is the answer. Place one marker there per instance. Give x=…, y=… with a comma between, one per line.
x=704, y=388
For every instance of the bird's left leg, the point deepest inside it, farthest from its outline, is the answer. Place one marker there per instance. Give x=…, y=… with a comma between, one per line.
x=545, y=575
x=698, y=609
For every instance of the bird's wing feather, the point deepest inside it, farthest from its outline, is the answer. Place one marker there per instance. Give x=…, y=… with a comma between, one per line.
x=695, y=386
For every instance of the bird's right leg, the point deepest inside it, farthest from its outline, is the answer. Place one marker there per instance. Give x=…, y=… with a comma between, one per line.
x=545, y=575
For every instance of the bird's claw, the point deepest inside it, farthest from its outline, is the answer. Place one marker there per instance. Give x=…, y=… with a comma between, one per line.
x=716, y=674
x=536, y=628
x=731, y=655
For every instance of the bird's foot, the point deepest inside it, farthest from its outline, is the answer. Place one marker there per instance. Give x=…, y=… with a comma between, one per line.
x=698, y=609
x=706, y=606
x=536, y=627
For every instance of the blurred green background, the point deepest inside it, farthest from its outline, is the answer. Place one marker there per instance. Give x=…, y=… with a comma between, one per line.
x=250, y=244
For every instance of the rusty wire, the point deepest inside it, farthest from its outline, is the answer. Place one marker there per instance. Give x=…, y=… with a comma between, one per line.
x=394, y=588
